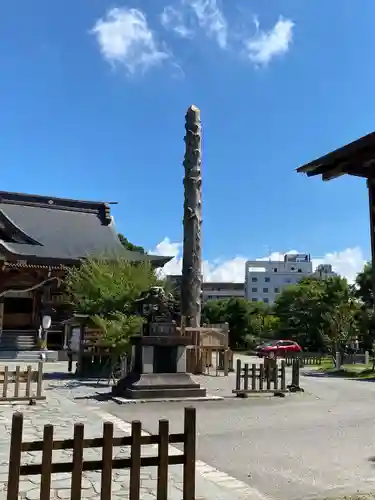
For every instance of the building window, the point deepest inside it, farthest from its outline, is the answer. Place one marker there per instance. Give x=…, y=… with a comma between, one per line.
x=267, y=280
x=254, y=280
x=287, y=280
x=277, y=290
x=254, y=290
x=265, y=300
x=254, y=299
x=275, y=269
x=265, y=290
x=299, y=270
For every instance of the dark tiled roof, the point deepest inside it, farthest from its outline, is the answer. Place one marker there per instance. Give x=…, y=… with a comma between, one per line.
x=61, y=229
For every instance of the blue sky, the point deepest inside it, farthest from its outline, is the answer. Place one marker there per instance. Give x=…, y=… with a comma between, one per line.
x=93, y=95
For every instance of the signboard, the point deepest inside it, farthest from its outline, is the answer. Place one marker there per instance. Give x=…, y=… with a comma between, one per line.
x=297, y=257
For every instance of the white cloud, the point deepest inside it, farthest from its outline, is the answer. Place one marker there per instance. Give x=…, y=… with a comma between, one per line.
x=193, y=14
x=173, y=19
x=266, y=45
x=347, y=263
x=211, y=18
x=125, y=38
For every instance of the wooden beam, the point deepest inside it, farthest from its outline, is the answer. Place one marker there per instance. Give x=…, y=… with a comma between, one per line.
x=1, y=316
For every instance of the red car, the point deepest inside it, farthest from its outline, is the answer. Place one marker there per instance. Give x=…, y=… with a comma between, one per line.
x=278, y=348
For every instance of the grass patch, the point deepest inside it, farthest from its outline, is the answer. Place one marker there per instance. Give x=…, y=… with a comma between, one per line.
x=357, y=371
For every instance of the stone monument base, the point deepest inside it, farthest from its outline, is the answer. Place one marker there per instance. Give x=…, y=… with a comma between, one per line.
x=158, y=386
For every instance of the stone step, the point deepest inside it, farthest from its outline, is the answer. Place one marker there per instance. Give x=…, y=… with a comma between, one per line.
x=17, y=340
x=28, y=356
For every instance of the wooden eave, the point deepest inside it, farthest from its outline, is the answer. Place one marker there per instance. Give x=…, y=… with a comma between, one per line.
x=356, y=158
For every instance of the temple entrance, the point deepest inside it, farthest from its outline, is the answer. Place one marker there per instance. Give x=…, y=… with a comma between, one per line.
x=18, y=312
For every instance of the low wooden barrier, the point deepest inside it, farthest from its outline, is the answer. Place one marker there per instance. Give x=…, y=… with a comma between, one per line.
x=306, y=359
x=27, y=384
x=269, y=377
x=162, y=459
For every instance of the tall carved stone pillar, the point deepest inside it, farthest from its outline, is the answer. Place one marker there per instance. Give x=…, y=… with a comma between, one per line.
x=191, y=285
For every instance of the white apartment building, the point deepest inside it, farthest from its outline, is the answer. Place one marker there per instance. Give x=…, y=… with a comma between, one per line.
x=214, y=290
x=222, y=291
x=264, y=279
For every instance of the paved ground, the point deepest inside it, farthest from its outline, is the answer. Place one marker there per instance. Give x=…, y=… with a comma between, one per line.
x=313, y=445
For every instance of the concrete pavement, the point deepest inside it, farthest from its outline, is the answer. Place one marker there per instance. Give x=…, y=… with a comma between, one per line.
x=316, y=444
x=313, y=445
x=71, y=401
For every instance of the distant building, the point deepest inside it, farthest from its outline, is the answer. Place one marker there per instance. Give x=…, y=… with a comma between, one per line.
x=264, y=279
x=222, y=291
x=214, y=290
x=324, y=271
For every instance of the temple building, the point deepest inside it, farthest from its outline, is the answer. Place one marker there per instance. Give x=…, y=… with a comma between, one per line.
x=40, y=237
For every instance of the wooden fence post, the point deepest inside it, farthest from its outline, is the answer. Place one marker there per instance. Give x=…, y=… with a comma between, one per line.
x=246, y=377
x=5, y=385
x=238, y=375
x=283, y=382
x=295, y=372
x=135, y=456
x=39, y=386
x=189, y=452
x=15, y=456
x=162, y=484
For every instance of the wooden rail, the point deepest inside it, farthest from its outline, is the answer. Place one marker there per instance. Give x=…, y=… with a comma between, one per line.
x=27, y=384
x=48, y=466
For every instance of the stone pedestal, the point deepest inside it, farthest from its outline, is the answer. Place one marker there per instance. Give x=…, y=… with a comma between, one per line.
x=158, y=370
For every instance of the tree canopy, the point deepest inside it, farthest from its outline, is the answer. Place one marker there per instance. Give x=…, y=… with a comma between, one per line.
x=107, y=290
x=129, y=246
x=321, y=315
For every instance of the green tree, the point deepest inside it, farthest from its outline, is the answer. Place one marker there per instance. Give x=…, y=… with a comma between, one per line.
x=129, y=246
x=308, y=310
x=343, y=324
x=249, y=322
x=363, y=289
x=106, y=290
x=214, y=312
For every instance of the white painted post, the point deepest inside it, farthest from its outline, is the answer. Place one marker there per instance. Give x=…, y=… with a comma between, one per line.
x=367, y=357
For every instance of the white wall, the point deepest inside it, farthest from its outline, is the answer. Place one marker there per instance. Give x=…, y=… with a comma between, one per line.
x=264, y=280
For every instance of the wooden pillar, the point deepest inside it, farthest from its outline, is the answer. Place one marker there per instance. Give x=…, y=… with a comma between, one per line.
x=371, y=197
x=1, y=315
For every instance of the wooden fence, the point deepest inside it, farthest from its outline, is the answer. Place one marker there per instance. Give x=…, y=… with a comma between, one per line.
x=107, y=464
x=26, y=384
x=306, y=358
x=268, y=377
x=209, y=360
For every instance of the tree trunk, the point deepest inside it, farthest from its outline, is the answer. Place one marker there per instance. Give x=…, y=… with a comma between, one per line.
x=191, y=285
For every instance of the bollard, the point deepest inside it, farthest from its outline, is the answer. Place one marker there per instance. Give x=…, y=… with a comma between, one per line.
x=338, y=360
